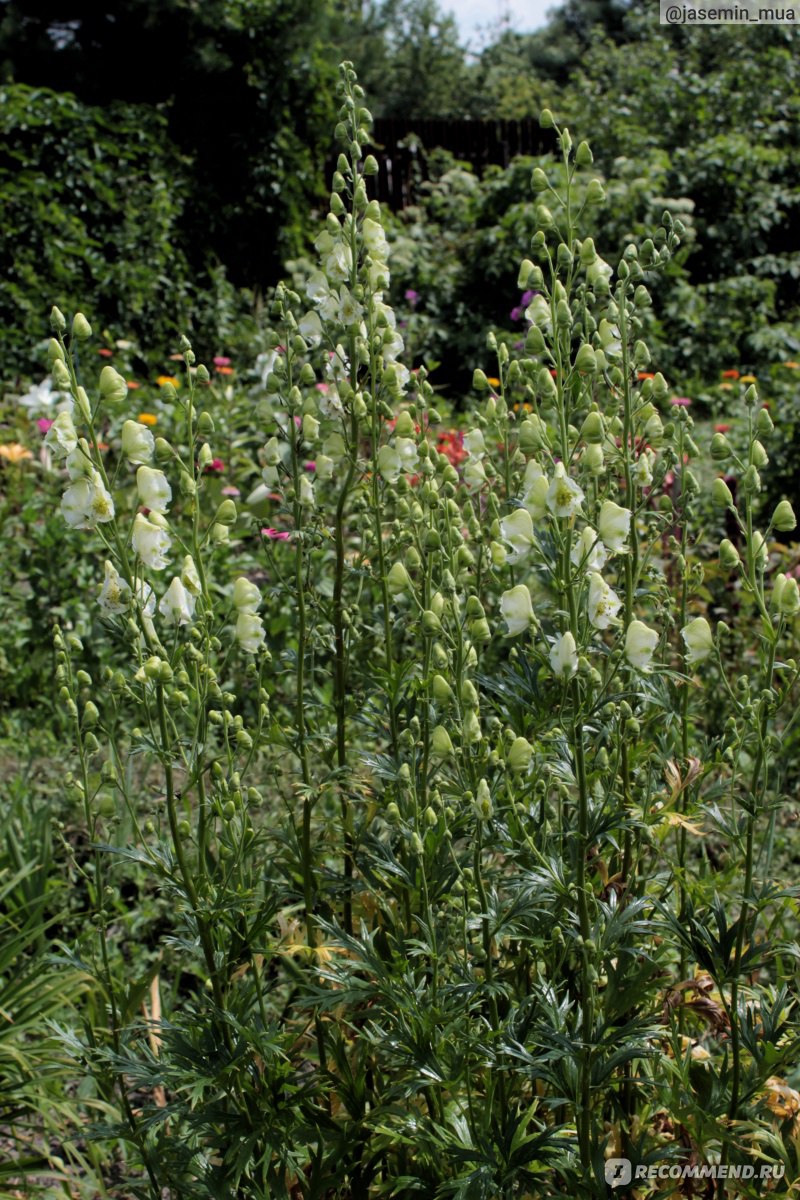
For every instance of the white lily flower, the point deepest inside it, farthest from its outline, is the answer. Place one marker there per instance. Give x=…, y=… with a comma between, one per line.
x=564, y=656
x=516, y=609
x=154, y=490
x=564, y=496
x=640, y=644
x=150, y=542
x=604, y=603
x=614, y=525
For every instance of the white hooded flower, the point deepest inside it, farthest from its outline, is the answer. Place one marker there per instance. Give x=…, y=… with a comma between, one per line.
x=474, y=474
x=614, y=525
x=564, y=656
x=177, y=605
x=516, y=609
x=643, y=470
x=246, y=596
x=474, y=443
x=150, y=542
x=640, y=644
x=538, y=313
x=350, y=311
x=62, y=437
x=535, y=486
x=306, y=496
x=249, y=631
x=87, y=503
x=310, y=328
x=698, y=639
x=564, y=496
x=604, y=604
x=115, y=595
x=189, y=576
x=80, y=462
x=154, y=490
x=138, y=443
x=588, y=551
x=517, y=530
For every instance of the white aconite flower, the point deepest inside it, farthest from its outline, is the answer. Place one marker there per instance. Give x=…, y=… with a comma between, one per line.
x=517, y=530
x=62, y=438
x=138, y=443
x=474, y=443
x=400, y=458
x=564, y=497
x=614, y=525
x=115, y=595
x=246, y=596
x=535, y=485
x=350, y=311
x=374, y=238
x=249, y=631
x=150, y=542
x=698, y=639
x=176, y=605
x=640, y=644
x=154, y=490
x=317, y=287
x=564, y=656
x=306, y=496
x=588, y=551
x=474, y=474
x=516, y=609
x=538, y=313
x=87, y=503
x=604, y=604
x=643, y=471
x=189, y=576
x=310, y=328
x=79, y=461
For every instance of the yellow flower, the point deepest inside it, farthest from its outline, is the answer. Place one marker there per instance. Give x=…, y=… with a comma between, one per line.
x=147, y=419
x=747, y=379
x=173, y=379
x=493, y=382
x=793, y=366
x=14, y=452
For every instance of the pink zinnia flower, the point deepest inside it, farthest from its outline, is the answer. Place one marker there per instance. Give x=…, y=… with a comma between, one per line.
x=215, y=467
x=276, y=535
x=680, y=402
x=44, y=424
x=231, y=491
x=323, y=387
x=221, y=361
x=310, y=466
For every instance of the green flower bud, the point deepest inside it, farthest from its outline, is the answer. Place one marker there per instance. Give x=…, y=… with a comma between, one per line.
x=595, y=193
x=593, y=429
x=764, y=423
x=226, y=513
x=751, y=481
x=81, y=329
x=431, y=625
x=55, y=352
x=57, y=320
x=524, y=274
x=442, y=692
x=720, y=448
x=586, y=360
x=583, y=155
x=751, y=396
x=728, y=555
x=660, y=386
x=721, y=494
x=91, y=715
x=546, y=120
x=759, y=454
x=404, y=427
x=441, y=743
x=783, y=518
x=479, y=380
x=205, y=424
x=61, y=374
x=112, y=385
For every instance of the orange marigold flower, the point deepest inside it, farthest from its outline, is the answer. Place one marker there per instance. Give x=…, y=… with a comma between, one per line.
x=14, y=452
x=793, y=366
x=730, y=374
x=645, y=375
x=492, y=381
x=223, y=370
x=133, y=385
x=173, y=379
x=147, y=419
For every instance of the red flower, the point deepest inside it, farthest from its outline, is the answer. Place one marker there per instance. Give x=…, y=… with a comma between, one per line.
x=730, y=374
x=105, y=353
x=722, y=428
x=215, y=467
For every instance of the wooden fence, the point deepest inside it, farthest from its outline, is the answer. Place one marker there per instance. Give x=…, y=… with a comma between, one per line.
x=401, y=150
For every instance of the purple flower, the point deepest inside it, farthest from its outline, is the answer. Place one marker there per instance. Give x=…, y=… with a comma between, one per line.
x=516, y=313
x=526, y=298
x=412, y=297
